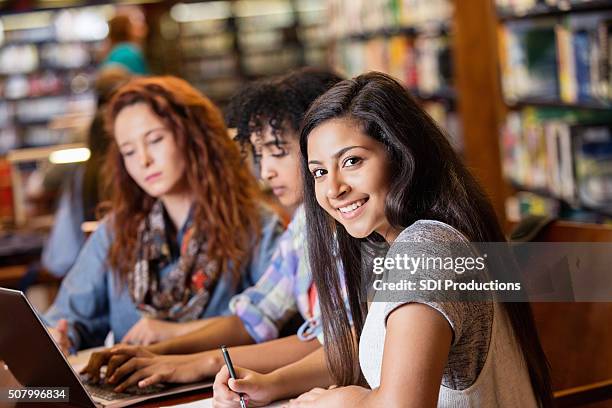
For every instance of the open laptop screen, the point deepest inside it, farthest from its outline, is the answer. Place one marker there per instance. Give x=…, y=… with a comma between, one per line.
x=29, y=352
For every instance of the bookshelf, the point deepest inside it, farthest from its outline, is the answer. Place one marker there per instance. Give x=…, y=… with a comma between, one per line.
x=223, y=44
x=409, y=40
x=576, y=360
x=508, y=12
x=591, y=105
x=47, y=69
x=481, y=59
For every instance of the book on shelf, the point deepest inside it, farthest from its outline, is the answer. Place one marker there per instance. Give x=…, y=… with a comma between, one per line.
x=584, y=58
x=593, y=156
x=560, y=165
x=562, y=154
x=565, y=59
x=516, y=6
x=354, y=17
x=525, y=203
x=423, y=12
x=529, y=65
x=601, y=84
x=423, y=63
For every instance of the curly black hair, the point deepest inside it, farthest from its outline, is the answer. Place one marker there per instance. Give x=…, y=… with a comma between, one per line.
x=279, y=102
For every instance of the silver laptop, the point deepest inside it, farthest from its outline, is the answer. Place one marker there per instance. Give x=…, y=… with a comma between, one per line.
x=30, y=358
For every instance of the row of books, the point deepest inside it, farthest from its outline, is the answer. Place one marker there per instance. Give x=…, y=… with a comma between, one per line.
x=524, y=203
x=562, y=154
x=524, y=6
x=223, y=44
x=350, y=17
x=25, y=123
x=47, y=71
x=423, y=63
x=564, y=60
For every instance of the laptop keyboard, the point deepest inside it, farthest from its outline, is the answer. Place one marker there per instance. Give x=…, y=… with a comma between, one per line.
x=105, y=391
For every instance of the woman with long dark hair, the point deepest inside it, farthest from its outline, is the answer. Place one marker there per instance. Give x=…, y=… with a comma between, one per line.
x=187, y=230
x=378, y=169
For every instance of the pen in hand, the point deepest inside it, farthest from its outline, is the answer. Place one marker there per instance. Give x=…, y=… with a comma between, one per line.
x=232, y=373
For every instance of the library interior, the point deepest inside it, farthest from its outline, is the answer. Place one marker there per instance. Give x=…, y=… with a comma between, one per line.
x=159, y=172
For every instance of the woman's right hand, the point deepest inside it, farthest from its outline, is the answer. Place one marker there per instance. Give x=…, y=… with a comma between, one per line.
x=112, y=358
x=146, y=370
x=257, y=389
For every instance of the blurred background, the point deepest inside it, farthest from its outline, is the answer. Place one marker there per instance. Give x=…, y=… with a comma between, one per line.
x=523, y=89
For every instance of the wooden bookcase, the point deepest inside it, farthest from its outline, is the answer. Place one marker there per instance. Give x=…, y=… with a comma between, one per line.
x=575, y=336
x=482, y=107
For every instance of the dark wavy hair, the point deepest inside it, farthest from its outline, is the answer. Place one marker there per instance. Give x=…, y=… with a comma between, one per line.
x=429, y=182
x=227, y=198
x=279, y=102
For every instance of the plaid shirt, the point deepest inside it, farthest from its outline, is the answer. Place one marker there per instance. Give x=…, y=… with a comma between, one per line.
x=283, y=289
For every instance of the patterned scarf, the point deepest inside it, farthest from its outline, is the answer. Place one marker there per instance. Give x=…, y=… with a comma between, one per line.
x=183, y=293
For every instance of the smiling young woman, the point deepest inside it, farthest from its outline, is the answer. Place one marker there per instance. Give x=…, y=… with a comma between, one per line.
x=377, y=168
x=186, y=230
x=361, y=163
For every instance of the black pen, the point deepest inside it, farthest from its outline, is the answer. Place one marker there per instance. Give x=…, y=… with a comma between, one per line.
x=230, y=368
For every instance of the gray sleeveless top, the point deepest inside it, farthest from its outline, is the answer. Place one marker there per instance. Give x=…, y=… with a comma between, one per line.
x=485, y=366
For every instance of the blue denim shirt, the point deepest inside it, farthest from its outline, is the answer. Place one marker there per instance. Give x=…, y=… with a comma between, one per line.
x=92, y=301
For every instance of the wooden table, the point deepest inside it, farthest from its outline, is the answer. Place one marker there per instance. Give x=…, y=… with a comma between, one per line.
x=177, y=399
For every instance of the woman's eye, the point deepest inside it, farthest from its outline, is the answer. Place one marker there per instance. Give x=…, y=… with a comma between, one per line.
x=352, y=161
x=318, y=173
x=278, y=155
x=156, y=139
x=127, y=153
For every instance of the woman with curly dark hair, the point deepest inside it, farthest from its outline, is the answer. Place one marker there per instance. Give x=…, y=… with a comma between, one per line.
x=267, y=115
x=187, y=228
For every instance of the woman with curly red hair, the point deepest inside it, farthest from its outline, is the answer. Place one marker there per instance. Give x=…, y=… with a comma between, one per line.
x=187, y=227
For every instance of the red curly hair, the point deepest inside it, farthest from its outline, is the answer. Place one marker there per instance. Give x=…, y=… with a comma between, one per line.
x=227, y=197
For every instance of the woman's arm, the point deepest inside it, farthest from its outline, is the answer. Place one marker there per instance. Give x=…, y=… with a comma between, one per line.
x=148, y=370
x=265, y=357
x=417, y=344
x=305, y=374
x=416, y=350
x=82, y=299
x=212, y=333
